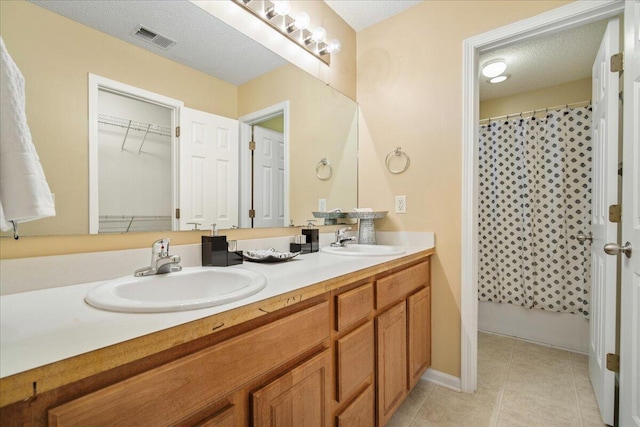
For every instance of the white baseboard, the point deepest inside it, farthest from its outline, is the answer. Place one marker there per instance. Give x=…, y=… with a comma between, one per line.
x=442, y=379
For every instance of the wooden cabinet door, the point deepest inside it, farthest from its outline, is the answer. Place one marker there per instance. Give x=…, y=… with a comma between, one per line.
x=360, y=412
x=391, y=333
x=224, y=418
x=419, y=334
x=299, y=398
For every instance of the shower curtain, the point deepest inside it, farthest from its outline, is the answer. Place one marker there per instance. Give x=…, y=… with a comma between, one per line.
x=534, y=197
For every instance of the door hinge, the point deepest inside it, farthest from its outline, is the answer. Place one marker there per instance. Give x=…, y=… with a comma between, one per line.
x=252, y=213
x=613, y=362
x=177, y=131
x=617, y=63
x=615, y=213
x=252, y=145
x=178, y=213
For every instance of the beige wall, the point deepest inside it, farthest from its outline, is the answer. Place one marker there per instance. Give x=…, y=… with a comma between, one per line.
x=276, y=124
x=323, y=123
x=55, y=56
x=409, y=89
x=552, y=96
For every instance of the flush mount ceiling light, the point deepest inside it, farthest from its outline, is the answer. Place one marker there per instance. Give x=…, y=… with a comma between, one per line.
x=494, y=68
x=276, y=14
x=499, y=79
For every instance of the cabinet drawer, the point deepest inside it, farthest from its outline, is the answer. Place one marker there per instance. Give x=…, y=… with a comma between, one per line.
x=361, y=412
x=398, y=285
x=355, y=360
x=353, y=305
x=166, y=394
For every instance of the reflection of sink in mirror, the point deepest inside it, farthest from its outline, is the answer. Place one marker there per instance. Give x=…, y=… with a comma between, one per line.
x=189, y=289
x=364, y=250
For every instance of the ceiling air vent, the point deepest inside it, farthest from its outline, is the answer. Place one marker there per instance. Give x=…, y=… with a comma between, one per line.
x=153, y=37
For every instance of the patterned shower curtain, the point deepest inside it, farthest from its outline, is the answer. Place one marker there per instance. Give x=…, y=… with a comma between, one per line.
x=534, y=197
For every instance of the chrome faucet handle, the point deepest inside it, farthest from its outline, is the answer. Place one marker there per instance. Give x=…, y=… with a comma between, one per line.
x=160, y=248
x=341, y=231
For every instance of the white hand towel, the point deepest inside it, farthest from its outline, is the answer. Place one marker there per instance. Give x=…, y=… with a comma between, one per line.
x=24, y=192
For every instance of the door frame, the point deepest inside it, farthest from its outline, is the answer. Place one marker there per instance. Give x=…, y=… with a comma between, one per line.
x=245, y=122
x=562, y=18
x=97, y=83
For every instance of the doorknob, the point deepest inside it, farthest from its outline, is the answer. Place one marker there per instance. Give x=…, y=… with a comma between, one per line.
x=615, y=249
x=581, y=237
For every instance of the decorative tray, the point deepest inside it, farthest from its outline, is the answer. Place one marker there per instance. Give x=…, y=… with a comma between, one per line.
x=367, y=215
x=268, y=255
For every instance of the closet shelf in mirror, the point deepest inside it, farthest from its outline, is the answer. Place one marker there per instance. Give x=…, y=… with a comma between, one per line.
x=129, y=125
x=134, y=125
x=133, y=223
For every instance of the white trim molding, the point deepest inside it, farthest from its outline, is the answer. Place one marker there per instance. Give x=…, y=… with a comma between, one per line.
x=563, y=18
x=442, y=379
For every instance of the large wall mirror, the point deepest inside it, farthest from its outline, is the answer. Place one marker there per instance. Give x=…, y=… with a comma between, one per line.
x=212, y=69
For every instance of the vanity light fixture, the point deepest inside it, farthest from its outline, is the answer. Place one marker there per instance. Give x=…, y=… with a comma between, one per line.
x=494, y=68
x=300, y=22
x=276, y=14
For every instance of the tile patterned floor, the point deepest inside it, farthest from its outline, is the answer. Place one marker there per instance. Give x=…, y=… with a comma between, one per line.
x=519, y=385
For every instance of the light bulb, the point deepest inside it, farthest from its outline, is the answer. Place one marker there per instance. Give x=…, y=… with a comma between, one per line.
x=499, y=79
x=494, y=68
x=301, y=21
x=334, y=46
x=281, y=7
x=318, y=34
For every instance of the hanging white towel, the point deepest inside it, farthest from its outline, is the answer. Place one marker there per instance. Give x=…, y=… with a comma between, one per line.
x=24, y=192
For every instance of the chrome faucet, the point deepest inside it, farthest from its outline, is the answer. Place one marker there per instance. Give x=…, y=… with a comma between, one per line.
x=342, y=239
x=161, y=261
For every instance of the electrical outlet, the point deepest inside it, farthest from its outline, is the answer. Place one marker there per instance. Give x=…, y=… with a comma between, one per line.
x=401, y=204
x=322, y=205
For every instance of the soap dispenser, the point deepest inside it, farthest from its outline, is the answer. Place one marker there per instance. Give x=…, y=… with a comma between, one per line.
x=216, y=251
x=313, y=237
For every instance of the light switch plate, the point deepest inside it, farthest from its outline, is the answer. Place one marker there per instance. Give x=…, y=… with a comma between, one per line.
x=322, y=205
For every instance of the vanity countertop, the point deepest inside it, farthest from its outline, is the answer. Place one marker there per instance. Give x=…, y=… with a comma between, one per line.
x=53, y=326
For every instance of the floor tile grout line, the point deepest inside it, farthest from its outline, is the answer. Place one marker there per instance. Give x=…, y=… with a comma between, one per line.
x=413, y=417
x=575, y=390
x=504, y=384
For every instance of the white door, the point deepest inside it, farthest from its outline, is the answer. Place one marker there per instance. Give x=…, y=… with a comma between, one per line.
x=268, y=184
x=208, y=170
x=629, y=407
x=602, y=337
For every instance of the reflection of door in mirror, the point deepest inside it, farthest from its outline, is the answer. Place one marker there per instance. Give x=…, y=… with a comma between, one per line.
x=264, y=170
x=208, y=170
x=268, y=172
x=134, y=164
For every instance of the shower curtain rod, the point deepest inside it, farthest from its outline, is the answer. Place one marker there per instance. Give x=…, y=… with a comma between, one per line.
x=540, y=110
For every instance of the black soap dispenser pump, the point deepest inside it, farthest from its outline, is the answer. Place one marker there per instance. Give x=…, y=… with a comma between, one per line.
x=215, y=251
x=313, y=237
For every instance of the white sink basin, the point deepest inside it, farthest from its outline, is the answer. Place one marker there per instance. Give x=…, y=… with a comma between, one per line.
x=191, y=288
x=364, y=250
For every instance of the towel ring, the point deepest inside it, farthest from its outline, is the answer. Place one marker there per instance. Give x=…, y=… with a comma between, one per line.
x=324, y=162
x=397, y=152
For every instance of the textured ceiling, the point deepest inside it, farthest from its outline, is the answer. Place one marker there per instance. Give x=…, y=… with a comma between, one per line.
x=545, y=61
x=203, y=42
x=360, y=14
